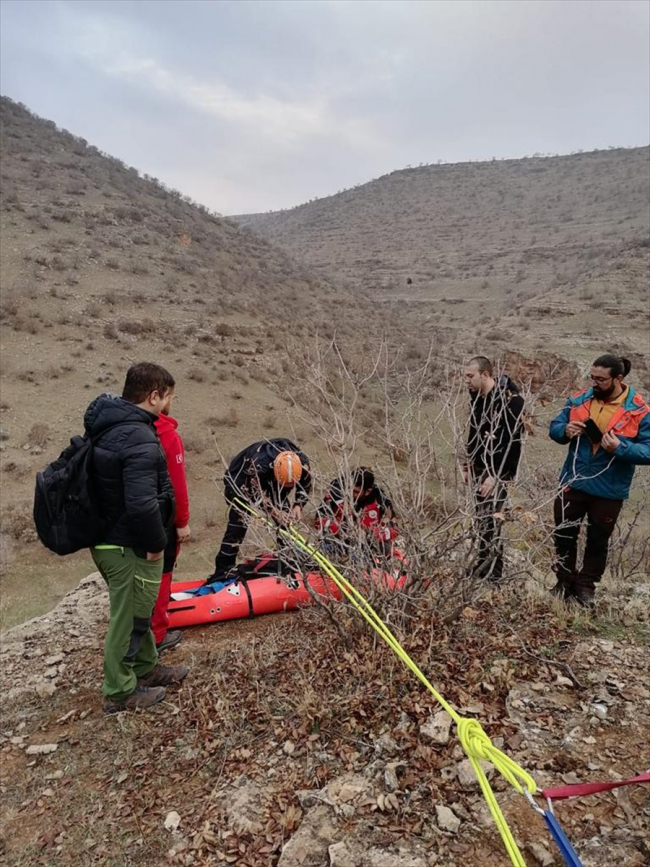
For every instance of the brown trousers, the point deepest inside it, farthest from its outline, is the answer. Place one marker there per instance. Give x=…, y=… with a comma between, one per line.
x=570, y=509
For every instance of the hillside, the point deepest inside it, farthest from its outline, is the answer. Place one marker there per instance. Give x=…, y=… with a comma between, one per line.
x=538, y=252
x=286, y=749
x=298, y=739
x=101, y=267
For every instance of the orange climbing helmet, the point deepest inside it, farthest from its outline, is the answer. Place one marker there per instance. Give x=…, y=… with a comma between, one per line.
x=287, y=469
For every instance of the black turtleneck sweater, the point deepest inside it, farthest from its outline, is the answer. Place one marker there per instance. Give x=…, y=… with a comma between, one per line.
x=495, y=428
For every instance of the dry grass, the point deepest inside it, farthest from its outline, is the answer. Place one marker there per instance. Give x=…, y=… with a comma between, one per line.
x=563, y=240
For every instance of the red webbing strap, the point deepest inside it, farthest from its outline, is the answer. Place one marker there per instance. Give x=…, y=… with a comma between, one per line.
x=582, y=789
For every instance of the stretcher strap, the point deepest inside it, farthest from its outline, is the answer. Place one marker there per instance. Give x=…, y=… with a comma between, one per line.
x=582, y=789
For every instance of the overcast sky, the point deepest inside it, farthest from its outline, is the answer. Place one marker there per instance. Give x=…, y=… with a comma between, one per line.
x=250, y=106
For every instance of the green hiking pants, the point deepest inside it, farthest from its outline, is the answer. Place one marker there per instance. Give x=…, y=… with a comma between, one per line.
x=130, y=650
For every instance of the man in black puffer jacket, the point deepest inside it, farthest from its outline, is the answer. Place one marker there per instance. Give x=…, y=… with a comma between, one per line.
x=129, y=473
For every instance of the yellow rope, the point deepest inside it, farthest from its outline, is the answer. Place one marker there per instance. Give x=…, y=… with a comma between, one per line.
x=473, y=738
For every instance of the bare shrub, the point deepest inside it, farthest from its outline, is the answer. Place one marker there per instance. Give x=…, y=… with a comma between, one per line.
x=18, y=522
x=63, y=216
x=194, y=443
x=418, y=446
x=28, y=376
x=110, y=331
x=9, y=308
x=59, y=264
x=497, y=335
x=39, y=435
x=138, y=326
x=227, y=419
x=196, y=374
x=17, y=469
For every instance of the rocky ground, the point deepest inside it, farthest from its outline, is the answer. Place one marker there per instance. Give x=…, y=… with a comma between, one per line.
x=291, y=748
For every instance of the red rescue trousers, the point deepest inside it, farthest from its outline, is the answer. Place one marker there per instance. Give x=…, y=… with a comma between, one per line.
x=159, y=617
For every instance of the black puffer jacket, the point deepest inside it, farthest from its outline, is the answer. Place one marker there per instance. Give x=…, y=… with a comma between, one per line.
x=130, y=474
x=251, y=473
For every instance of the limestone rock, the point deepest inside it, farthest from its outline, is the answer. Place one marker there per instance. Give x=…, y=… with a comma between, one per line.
x=436, y=729
x=309, y=845
x=351, y=853
x=541, y=854
x=172, y=821
x=44, y=689
x=467, y=777
x=386, y=746
x=446, y=819
x=347, y=789
x=243, y=808
x=41, y=749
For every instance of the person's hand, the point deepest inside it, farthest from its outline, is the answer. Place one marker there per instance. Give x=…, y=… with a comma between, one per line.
x=280, y=517
x=574, y=429
x=488, y=486
x=183, y=534
x=296, y=512
x=610, y=442
x=155, y=555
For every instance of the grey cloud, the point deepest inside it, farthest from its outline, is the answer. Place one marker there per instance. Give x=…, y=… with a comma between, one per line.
x=258, y=105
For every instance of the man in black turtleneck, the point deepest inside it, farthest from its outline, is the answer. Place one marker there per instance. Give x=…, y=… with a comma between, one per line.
x=493, y=452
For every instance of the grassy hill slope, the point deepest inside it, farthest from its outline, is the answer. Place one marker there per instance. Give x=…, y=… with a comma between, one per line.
x=531, y=253
x=101, y=267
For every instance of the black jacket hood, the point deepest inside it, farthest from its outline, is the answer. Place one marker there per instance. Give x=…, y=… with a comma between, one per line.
x=108, y=410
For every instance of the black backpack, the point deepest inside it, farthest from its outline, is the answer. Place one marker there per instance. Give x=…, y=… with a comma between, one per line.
x=66, y=511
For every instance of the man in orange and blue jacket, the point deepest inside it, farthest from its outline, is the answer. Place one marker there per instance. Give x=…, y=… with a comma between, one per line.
x=607, y=428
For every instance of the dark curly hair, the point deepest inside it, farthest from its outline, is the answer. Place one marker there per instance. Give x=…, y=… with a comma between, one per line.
x=616, y=365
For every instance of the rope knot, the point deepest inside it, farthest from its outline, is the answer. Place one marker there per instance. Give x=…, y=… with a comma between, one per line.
x=474, y=740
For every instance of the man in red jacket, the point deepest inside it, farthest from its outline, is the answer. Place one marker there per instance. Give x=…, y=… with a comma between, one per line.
x=172, y=444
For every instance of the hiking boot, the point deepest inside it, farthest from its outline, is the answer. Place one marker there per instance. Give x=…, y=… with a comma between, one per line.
x=170, y=640
x=140, y=699
x=222, y=577
x=561, y=591
x=584, y=596
x=164, y=675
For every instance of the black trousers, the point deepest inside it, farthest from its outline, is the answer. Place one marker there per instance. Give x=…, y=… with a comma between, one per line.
x=233, y=538
x=570, y=509
x=489, y=555
x=231, y=543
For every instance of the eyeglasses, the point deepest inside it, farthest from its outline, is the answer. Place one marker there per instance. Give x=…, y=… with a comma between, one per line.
x=600, y=379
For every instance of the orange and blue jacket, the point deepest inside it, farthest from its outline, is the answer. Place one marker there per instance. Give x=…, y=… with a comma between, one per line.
x=601, y=473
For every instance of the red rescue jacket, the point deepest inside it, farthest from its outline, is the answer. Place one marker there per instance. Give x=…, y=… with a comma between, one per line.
x=172, y=444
